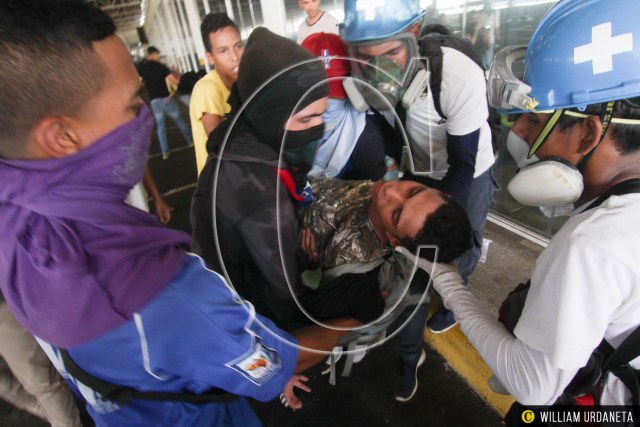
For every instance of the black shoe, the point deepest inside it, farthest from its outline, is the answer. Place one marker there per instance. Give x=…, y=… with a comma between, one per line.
x=441, y=321
x=407, y=379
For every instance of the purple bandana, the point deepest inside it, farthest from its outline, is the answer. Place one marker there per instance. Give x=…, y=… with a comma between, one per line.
x=75, y=260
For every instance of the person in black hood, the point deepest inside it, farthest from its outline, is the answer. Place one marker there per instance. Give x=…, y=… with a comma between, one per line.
x=276, y=105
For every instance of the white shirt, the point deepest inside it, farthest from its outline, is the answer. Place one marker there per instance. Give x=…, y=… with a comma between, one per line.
x=586, y=285
x=463, y=99
x=138, y=197
x=326, y=24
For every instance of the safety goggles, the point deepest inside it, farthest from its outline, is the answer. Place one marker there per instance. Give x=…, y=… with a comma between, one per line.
x=506, y=91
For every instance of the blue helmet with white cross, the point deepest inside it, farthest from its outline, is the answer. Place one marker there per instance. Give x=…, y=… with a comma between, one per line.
x=582, y=52
x=369, y=20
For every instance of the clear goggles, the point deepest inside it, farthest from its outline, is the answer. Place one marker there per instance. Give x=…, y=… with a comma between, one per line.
x=505, y=89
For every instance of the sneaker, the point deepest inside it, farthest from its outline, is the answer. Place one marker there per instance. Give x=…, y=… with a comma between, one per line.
x=441, y=321
x=407, y=379
x=165, y=156
x=496, y=386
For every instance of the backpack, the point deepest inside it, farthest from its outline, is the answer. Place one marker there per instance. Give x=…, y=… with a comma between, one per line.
x=586, y=385
x=432, y=39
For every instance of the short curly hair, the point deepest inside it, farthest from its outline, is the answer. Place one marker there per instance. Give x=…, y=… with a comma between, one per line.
x=448, y=229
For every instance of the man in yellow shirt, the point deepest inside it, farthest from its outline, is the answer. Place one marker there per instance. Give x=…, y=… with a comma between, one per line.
x=208, y=107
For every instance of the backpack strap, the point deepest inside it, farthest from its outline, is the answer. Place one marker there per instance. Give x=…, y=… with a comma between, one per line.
x=618, y=364
x=434, y=38
x=607, y=359
x=123, y=395
x=587, y=377
x=624, y=187
x=627, y=351
x=431, y=47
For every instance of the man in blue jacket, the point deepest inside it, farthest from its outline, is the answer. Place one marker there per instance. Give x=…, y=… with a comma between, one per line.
x=85, y=272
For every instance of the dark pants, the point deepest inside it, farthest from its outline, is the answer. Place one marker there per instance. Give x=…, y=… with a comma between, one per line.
x=476, y=205
x=408, y=342
x=350, y=295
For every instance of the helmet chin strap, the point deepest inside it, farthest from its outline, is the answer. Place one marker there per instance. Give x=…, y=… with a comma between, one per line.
x=606, y=118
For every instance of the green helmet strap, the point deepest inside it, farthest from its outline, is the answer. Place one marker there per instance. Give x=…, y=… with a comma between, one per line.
x=544, y=134
x=606, y=117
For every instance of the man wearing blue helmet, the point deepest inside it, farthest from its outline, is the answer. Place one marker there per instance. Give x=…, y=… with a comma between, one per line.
x=450, y=151
x=578, y=142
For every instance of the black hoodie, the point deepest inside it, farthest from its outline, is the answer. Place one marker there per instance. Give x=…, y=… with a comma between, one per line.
x=248, y=193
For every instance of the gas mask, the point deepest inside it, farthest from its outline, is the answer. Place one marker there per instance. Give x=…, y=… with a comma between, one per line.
x=543, y=183
x=383, y=80
x=385, y=76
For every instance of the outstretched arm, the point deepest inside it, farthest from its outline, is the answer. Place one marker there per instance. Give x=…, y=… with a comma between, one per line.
x=316, y=341
x=525, y=372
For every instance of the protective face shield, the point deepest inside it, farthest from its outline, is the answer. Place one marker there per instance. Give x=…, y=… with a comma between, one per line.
x=387, y=75
x=505, y=90
x=591, y=61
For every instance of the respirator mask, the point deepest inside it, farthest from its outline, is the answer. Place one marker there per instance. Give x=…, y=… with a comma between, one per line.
x=544, y=183
x=553, y=182
x=383, y=80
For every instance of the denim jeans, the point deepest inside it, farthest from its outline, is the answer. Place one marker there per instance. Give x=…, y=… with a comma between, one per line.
x=408, y=342
x=168, y=106
x=476, y=205
x=185, y=99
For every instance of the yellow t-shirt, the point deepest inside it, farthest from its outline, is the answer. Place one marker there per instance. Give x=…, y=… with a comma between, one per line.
x=209, y=96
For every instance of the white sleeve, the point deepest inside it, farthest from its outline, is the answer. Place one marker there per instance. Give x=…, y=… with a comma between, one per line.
x=525, y=372
x=463, y=93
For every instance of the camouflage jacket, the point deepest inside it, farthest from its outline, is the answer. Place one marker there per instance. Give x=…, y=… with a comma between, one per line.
x=339, y=220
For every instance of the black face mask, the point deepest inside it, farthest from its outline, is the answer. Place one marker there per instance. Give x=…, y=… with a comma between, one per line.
x=299, y=150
